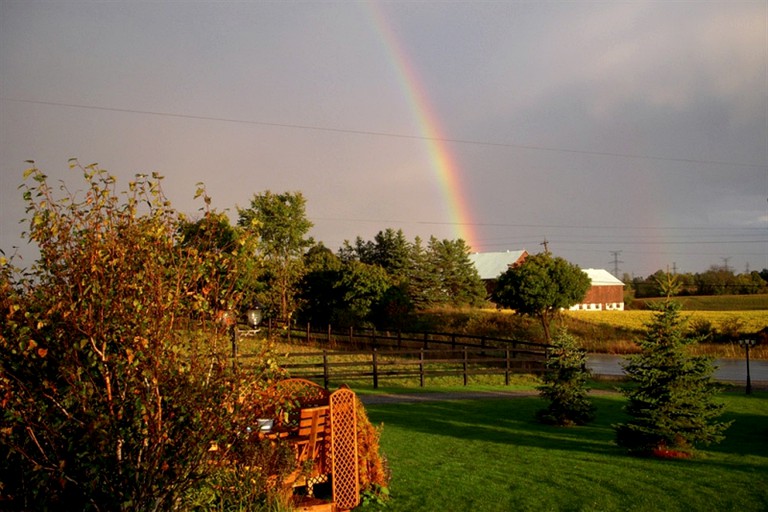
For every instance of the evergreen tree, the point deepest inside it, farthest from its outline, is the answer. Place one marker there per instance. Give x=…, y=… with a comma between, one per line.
x=455, y=277
x=672, y=405
x=565, y=384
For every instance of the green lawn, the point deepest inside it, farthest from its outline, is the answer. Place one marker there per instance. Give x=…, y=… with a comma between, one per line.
x=489, y=455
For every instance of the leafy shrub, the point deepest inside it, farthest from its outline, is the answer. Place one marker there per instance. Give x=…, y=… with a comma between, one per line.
x=702, y=330
x=730, y=329
x=114, y=368
x=373, y=471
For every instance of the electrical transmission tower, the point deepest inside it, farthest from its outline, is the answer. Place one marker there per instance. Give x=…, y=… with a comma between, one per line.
x=616, y=262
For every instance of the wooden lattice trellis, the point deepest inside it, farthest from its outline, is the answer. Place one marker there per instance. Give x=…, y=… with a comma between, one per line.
x=344, y=470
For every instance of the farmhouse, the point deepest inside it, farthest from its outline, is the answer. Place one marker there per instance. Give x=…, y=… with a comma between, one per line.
x=606, y=293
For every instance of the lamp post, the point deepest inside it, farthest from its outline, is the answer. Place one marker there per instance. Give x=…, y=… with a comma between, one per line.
x=254, y=316
x=748, y=343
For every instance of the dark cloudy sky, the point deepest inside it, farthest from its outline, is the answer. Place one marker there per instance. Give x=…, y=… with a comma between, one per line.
x=639, y=127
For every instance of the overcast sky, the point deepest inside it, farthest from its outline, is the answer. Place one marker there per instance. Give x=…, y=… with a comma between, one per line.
x=626, y=132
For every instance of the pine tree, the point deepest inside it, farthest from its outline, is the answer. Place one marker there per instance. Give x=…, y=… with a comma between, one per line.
x=672, y=405
x=565, y=384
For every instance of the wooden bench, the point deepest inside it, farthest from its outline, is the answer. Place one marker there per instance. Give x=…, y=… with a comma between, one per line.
x=323, y=434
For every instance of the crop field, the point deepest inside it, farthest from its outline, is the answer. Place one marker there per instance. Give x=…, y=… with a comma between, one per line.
x=634, y=320
x=616, y=331
x=717, y=302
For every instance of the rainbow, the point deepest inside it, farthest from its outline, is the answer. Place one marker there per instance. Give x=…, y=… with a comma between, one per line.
x=441, y=160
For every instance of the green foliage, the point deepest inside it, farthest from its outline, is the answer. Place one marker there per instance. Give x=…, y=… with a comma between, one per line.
x=456, y=281
x=389, y=250
x=281, y=225
x=439, y=275
x=114, y=375
x=565, y=384
x=541, y=286
x=668, y=284
x=717, y=280
x=217, y=244
x=342, y=293
x=672, y=404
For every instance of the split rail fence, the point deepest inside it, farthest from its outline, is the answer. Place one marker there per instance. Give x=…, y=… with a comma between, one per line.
x=368, y=355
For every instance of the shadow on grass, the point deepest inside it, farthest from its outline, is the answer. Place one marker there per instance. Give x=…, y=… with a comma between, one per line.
x=504, y=421
x=512, y=422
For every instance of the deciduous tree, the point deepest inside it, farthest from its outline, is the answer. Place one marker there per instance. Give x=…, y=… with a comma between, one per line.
x=541, y=286
x=281, y=224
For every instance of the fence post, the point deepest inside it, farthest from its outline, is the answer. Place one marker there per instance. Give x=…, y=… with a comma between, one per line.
x=465, y=365
x=325, y=369
x=375, y=370
x=329, y=335
x=351, y=336
x=421, y=368
x=233, y=336
x=308, y=333
x=374, y=337
x=506, y=371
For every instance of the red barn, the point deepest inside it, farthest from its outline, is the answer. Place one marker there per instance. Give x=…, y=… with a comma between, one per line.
x=606, y=293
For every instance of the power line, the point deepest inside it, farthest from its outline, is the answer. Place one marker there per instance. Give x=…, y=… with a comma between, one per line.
x=376, y=133
x=547, y=226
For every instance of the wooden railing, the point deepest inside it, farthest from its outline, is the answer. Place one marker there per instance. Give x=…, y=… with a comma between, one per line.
x=371, y=338
x=376, y=356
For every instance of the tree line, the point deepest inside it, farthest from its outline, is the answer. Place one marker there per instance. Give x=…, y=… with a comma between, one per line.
x=717, y=280
x=365, y=283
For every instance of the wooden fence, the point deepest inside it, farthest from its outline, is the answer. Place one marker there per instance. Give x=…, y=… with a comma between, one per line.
x=374, y=356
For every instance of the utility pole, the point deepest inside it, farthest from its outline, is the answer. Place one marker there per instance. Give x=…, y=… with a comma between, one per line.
x=725, y=264
x=616, y=262
x=545, y=243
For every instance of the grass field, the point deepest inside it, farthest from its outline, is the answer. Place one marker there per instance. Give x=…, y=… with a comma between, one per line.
x=489, y=455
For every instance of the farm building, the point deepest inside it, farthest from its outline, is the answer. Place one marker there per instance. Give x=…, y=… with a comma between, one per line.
x=606, y=293
x=490, y=265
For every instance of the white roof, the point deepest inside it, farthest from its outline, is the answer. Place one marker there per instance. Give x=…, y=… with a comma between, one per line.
x=601, y=277
x=491, y=265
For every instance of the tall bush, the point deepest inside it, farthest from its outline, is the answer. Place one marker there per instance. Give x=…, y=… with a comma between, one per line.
x=113, y=369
